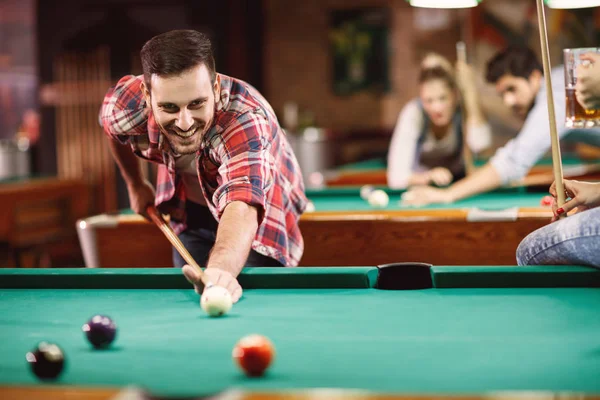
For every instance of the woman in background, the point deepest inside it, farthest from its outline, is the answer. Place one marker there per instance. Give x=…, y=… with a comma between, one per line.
x=427, y=144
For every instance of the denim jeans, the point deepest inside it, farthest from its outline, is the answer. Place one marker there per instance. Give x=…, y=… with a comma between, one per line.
x=573, y=240
x=200, y=235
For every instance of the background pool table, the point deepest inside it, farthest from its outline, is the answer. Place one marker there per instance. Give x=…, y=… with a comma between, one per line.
x=345, y=230
x=467, y=330
x=373, y=171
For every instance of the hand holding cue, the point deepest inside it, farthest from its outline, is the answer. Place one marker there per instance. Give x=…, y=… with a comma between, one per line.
x=556, y=158
x=461, y=55
x=176, y=242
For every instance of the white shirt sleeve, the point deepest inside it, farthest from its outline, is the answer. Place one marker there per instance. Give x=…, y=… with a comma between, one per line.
x=515, y=159
x=402, y=152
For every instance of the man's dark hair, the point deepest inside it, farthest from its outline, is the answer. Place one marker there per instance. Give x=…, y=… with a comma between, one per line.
x=175, y=52
x=517, y=61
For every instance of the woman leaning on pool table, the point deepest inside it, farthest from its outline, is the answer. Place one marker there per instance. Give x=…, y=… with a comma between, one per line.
x=571, y=240
x=427, y=143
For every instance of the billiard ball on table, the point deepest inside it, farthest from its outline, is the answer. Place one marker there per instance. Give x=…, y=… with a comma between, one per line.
x=100, y=331
x=365, y=191
x=216, y=301
x=379, y=199
x=310, y=207
x=254, y=354
x=47, y=360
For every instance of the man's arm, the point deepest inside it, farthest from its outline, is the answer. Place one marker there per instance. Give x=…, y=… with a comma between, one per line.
x=237, y=230
x=123, y=114
x=127, y=161
x=140, y=191
x=235, y=234
x=482, y=180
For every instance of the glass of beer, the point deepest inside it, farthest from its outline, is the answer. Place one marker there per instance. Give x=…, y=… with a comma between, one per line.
x=577, y=116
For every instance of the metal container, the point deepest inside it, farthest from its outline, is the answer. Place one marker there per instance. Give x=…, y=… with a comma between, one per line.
x=315, y=151
x=15, y=158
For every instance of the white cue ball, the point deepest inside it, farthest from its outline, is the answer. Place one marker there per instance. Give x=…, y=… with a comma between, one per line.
x=379, y=199
x=310, y=207
x=366, y=191
x=216, y=301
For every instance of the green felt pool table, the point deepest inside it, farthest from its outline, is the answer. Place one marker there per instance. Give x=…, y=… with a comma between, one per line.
x=393, y=330
x=345, y=230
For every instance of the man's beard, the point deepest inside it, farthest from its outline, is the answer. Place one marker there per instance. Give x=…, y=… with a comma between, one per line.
x=185, y=142
x=182, y=143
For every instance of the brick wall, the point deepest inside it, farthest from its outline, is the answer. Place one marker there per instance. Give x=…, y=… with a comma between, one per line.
x=299, y=65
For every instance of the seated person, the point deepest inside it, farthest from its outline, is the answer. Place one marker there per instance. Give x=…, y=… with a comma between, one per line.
x=571, y=240
x=427, y=144
x=576, y=239
x=518, y=77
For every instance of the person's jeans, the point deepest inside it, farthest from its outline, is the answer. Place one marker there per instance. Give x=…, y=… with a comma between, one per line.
x=573, y=240
x=200, y=235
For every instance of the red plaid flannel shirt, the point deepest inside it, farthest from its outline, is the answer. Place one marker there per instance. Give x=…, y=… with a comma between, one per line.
x=245, y=156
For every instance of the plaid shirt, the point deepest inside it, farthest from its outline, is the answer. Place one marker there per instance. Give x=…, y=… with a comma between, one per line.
x=244, y=156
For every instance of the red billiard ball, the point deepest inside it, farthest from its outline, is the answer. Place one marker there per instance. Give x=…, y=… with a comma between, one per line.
x=254, y=354
x=546, y=201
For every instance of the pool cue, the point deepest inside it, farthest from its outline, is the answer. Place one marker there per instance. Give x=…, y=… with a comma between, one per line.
x=556, y=157
x=461, y=55
x=176, y=242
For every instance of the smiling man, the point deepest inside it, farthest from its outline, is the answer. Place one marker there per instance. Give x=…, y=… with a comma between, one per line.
x=519, y=80
x=227, y=175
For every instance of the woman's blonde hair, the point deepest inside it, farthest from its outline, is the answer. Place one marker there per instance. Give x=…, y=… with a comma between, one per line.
x=432, y=60
x=435, y=66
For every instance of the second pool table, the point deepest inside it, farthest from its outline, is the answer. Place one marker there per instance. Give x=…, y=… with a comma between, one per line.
x=373, y=172
x=345, y=230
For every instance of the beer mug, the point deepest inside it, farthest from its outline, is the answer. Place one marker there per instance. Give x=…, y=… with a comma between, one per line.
x=576, y=115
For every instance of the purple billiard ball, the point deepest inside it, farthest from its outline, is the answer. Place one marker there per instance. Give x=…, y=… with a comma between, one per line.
x=100, y=331
x=47, y=360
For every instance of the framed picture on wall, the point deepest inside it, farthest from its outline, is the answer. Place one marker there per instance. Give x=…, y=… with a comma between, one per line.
x=359, y=46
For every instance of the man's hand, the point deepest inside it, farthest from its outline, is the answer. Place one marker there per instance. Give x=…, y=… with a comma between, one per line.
x=583, y=195
x=587, y=89
x=422, y=196
x=141, y=195
x=217, y=277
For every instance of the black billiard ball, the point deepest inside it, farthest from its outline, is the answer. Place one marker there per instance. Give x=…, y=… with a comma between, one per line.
x=100, y=331
x=47, y=360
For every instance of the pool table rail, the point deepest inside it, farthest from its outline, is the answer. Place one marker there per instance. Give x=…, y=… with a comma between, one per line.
x=63, y=392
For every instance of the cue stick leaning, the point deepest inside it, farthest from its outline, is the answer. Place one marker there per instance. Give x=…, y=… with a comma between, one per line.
x=556, y=157
x=176, y=242
x=461, y=56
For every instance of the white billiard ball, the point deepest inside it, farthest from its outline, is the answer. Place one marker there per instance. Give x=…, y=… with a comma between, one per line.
x=379, y=199
x=310, y=207
x=216, y=301
x=365, y=191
